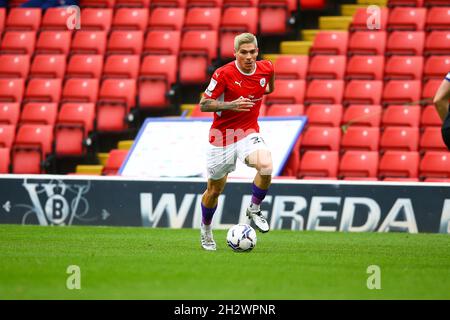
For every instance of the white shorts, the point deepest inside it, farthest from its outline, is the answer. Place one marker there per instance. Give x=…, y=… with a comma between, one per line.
x=222, y=160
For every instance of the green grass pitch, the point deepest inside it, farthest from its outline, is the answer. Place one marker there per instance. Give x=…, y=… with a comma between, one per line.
x=143, y=263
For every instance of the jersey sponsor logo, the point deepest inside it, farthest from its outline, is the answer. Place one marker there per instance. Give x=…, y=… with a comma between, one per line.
x=262, y=82
x=238, y=83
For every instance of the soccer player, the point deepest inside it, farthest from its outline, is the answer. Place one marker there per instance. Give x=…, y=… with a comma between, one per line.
x=440, y=100
x=234, y=95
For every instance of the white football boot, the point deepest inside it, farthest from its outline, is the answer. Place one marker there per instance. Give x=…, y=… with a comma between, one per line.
x=259, y=220
x=206, y=238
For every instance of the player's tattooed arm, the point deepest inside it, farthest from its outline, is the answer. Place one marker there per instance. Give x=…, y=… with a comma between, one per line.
x=271, y=85
x=441, y=98
x=212, y=105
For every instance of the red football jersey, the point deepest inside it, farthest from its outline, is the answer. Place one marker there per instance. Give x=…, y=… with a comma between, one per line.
x=229, y=83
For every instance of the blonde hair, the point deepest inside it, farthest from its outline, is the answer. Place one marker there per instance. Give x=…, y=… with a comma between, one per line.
x=242, y=38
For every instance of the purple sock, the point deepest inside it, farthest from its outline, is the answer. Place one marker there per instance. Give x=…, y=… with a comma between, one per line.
x=258, y=194
x=207, y=214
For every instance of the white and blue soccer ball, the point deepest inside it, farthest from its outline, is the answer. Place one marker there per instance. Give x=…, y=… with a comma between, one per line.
x=241, y=237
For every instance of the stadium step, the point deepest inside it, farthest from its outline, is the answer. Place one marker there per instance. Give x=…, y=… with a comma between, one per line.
x=272, y=57
x=350, y=9
x=90, y=169
x=103, y=157
x=308, y=34
x=125, y=144
x=295, y=47
x=381, y=3
x=334, y=22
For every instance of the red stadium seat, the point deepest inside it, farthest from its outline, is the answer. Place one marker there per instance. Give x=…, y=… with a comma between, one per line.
x=55, y=19
x=9, y=112
x=365, y=68
x=33, y=142
x=401, y=91
x=236, y=20
x=202, y=19
x=130, y=19
x=162, y=42
x=21, y=42
x=43, y=90
x=55, y=42
x=198, y=113
x=273, y=15
x=121, y=66
x=324, y=115
x=23, y=19
x=48, y=66
x=80, y=90
x=359, y=164
x=125, y=42
x=118, y=91
x=291, y=67
x=96, y=19
x=324, y=92
x=39, y=113
x=2, y=19
x=89, y=42
x=430, y=88
x=360, y=138
x=438, y=18
x=7, y=134
x=85, y=66
x=166, y=19
x=157, y=75
x=363, y=92
x=285, y=110
x=435, y=164
x=437, y=43
x=399, y=164
x=327, y=67
x=14, y=65
x=362, y=18
x=403, y=68
x=367, y=43
x=11, y=90
x=430, y=117
x=431, y=140
x=321, y=138
x=436, y=67
x=405, y=43
x=330, y=42
x=114, y=162
x=319, y=164
x=198, y=49
x=75, y=121
x=407, y=19
x=116, y=98
x=401, y=116
x=399, y=138
x=4, y=160
x=287, y=92
x=362, y=115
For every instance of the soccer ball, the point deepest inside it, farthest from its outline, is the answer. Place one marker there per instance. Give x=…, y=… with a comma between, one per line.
x=241, y=237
